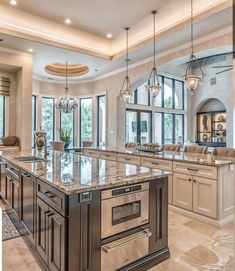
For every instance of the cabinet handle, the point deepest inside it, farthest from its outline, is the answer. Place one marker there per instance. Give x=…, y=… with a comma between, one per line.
x=127, y=159
x=46, y=212
x=26, y=175
x=194, y=181
x=107, y=155
x=49, y=194
x=50, y=214
x=155, y=163
x=190, y=180
x=193, y=169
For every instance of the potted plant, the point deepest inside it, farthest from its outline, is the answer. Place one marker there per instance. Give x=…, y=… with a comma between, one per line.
x=65, y=135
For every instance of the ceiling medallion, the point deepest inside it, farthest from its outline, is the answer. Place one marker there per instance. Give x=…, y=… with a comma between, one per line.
x=73, y=70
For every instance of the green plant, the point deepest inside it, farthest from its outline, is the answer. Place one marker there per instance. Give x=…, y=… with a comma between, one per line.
x=65, y=134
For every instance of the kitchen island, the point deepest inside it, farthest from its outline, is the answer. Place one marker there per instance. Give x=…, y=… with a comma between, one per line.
x=85, y=213
x=201, y=187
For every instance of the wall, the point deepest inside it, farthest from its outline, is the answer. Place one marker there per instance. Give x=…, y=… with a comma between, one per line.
x=23, y=117
x=222, y=90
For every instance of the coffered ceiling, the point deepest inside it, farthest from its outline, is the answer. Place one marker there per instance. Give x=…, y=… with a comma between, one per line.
x=40, y=24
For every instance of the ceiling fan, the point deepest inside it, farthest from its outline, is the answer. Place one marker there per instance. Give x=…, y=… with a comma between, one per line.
x=224, y=67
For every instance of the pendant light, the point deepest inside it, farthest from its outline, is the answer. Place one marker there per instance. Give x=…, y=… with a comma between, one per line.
x=154, y=86
x=190, y=77
x=125, y=92
x=66, y=104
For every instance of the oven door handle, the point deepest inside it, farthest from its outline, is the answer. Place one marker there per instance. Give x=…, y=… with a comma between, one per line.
x=107, y=248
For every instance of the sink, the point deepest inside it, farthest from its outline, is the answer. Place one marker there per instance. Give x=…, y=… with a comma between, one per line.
x=30, y=159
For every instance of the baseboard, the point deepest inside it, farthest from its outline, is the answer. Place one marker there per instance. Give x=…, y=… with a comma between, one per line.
x=149, y=261
x=213, y=222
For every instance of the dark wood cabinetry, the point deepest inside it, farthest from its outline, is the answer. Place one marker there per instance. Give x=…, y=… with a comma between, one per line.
x=158, y=214
x=50, y=241
x=3, y=180
x=16, y=196
x=28, y=188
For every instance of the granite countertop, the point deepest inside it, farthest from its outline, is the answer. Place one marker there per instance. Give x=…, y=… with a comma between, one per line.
x=72, y=173
x=201, y=159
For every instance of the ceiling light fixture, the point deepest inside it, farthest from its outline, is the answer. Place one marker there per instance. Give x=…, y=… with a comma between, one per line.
x=66, y=104
x=68, y=21
x=154, y=86
x=109, y=35
x=125, y=92
x=13, y=2
x=30, y=50
x=192, y=79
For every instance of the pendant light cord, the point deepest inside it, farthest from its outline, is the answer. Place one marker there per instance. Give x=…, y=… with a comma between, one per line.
x=127, y=51
x=66, y=79
x=192, y=45
x=154, y=39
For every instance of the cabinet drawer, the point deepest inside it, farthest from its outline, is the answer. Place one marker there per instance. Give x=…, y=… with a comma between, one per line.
x=156, y=163
x=91, y=153
x=52, y=196
x=195, y=170
x=12, y=171
x=108, y=155
x=129, y=159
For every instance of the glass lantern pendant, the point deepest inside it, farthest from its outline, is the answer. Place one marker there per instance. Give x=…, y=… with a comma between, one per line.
x=126, y=92
x=191, y=78
x=154, y=86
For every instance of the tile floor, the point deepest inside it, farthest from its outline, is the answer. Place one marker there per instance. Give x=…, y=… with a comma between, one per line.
x=194, y=246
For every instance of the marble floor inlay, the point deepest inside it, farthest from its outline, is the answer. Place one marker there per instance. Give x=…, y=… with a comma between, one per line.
x=194, y=246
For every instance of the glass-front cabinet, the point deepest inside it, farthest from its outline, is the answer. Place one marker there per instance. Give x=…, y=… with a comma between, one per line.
x=211, y=128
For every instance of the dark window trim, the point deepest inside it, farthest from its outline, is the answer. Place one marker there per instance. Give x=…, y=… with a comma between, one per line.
x=98, y=117
x=53, y=99
x=73, y=124
x=35, y=118
x=80, y=119
x=138, y=119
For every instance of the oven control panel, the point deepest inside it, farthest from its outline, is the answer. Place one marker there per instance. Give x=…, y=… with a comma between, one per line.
x=125, y=190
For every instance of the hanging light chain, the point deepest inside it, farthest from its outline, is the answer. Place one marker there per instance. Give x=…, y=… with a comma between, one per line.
x=192, y=42
x=127, y=52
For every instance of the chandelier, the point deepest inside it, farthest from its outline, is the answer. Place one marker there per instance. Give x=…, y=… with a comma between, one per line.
x=154, y=86
x=190, y=77
x=66, y=104
x=125, y=92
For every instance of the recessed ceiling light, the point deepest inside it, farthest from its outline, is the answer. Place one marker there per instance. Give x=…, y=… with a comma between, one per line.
x=109, y=35
x=13, y=2
x=68, y=21
x=30, y=50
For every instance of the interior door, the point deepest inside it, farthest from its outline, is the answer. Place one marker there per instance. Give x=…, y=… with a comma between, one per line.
x=183, y=191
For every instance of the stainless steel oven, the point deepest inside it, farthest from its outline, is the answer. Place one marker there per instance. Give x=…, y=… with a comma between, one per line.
x=124, y=208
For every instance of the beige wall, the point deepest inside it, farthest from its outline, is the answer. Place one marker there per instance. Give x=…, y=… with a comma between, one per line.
x=22, y=125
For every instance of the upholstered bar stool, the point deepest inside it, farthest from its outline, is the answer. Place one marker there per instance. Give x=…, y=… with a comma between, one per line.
x=196, y=149
x=57, y=145
x=131, y=145
x=229, y=152
x=170, y=147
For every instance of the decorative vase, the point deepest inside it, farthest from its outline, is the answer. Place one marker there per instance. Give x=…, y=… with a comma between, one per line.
x=40, y=143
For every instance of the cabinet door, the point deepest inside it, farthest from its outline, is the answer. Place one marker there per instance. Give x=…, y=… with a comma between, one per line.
x=3, y=180
x=205, y=196
x=182, y=191
x=8, y=197
x=56, y=236
x=158, y=202
x=16, y=197
x=170, y=189
x=28, y=203
x=42, y=229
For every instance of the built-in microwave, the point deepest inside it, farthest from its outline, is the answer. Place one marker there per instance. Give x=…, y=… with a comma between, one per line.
x=124, y=208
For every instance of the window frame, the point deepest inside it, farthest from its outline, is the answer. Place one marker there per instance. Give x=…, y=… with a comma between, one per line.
x=138, y=120
x=98, y=118
x=80, y=118
x=73, y=125
x=51, y=98
x=34, y=127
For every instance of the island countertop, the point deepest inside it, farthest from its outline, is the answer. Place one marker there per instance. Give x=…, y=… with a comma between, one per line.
x=195, y=158
x=72, y=173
